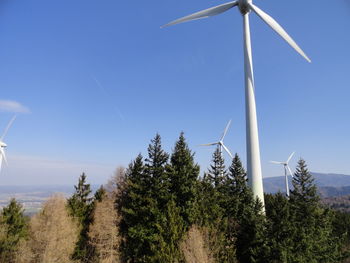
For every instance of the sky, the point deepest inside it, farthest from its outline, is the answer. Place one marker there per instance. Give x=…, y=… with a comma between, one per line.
x=92, y=82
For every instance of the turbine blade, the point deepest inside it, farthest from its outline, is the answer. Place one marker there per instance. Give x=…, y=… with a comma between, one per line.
x=290, y=171
x=290, y=157
x=276, y=162
x=204, y=13
x=279, y=30
x=3, y=155
x=209, y=144
x=227, y=150
x=7, y=127
x=225, y=131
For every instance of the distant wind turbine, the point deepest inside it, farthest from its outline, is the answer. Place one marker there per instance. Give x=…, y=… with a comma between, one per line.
x=286, y=167
x=253, y=151
x=4, y=145
x=220, y=143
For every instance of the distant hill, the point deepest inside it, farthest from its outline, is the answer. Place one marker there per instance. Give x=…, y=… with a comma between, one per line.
x=32, y=197
x=328, y=184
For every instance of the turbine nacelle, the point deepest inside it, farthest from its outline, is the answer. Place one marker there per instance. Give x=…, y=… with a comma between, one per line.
x=4, y=145
x=243, y=6
x=286, y=170
x=221, y=142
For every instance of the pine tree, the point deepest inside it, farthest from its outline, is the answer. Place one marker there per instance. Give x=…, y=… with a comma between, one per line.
x=313, y=237
x=251, y=243
x=183, y=176
x=172, y=229
x=235, y=190
x=139, y=214
x=280, y=228
x=13, y=226
x=156, y=175
x=217, y=171
x=81, y=206
x=210, y=192
x=100, y=194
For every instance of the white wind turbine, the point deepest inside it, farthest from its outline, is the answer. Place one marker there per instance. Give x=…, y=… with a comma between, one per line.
x=4, y=145
x=220, y=143
x=286, y=167
x=253, y=151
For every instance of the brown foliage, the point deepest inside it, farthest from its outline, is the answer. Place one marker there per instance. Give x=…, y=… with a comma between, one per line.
x=103, y=232
x=117, y=183
x=52, y=235
x=195, y=246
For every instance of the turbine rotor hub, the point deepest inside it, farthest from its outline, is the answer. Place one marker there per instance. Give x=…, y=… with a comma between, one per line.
x=244, y=7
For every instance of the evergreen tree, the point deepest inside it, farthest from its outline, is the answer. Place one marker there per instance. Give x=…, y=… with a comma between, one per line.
x=183, y=176
x=251, y=243
x=100, y=194
x=237, y=195
x=14, y=227
x=217, y=171
x=155, y=171
x=136, y=207
x=210, y=192
x=80, y=205
x=313, y=239
x=280, y=228
x=172, y=229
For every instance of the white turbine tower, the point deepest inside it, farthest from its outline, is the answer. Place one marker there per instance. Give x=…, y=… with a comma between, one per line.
x=4, y=145
x=286, y=167
x=253, y=151
x=220, y=143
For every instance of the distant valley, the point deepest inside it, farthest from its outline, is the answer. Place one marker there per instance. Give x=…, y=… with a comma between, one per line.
x=332, y=187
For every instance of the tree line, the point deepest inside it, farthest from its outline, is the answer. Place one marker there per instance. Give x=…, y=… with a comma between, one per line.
x=159, y=209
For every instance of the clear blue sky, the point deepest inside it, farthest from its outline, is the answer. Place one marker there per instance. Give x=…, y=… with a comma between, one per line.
x=98, y=79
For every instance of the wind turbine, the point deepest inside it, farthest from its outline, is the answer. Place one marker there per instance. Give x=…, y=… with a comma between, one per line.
x=4, y=145
x=220, y=143
x=286, y=167
x=253, y=151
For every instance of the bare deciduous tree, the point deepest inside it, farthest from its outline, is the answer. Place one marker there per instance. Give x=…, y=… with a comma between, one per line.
x=194, y=246
x=116, y=183
x=52, y=236
x=103, y=232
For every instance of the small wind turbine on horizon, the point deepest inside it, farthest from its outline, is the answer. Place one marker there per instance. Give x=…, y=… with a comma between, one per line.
x=220, y=143
x=4, y=145
x=286, y=167
x=253, y=151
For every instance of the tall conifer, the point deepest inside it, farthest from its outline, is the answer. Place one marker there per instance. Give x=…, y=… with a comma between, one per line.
x=183, y=176
x=13, y=226
x=80, y=206
x=313, y=237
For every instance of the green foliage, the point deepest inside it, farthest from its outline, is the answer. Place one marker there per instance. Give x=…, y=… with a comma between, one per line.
x=217, y=172
x=209, y=197
x=161, y=197
x=236, y=194
x=251, y=244
x=313, y=237
x=80, y=206
x=100, y=194
x=172, y=229
x=146, y=210
x=280, y=228
x=183, y=175
x=13, y=228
